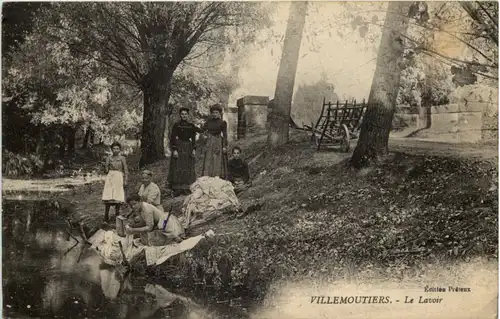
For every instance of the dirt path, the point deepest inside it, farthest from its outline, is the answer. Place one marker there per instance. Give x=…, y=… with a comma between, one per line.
x=419, y=147
x=416, y=147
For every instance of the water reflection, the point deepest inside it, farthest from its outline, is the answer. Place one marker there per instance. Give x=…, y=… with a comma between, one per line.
x=50, y=273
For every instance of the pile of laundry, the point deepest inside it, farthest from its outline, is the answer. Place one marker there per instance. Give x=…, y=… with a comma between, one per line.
x=114, y=250
x=210, y=198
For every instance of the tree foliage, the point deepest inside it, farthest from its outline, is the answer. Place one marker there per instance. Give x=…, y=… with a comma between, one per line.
x=142, y=45
x=308, y=100
x=425, y=82
x=57, y=87
x=107, y=64
x=434, y=26
x=17, y=22
x=448, y=44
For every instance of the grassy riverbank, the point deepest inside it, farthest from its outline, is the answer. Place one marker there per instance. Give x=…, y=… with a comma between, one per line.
x=321, y=220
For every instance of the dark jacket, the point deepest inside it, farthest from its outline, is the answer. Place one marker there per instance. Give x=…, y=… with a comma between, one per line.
x=238, y=169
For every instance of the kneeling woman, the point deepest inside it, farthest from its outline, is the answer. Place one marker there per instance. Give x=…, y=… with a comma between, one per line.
x=154, y=219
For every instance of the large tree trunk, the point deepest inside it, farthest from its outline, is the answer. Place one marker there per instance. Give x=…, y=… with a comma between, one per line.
x=39, y=142
x=89, y=136
x=71, y=139
x=279, y=117
x=374, y=137
x=424, y=117
x=156, y=96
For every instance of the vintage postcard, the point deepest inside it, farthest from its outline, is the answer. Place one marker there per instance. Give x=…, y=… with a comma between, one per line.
x=258, y=159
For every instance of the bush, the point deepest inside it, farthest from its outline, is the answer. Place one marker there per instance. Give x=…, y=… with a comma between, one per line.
x=16, y=165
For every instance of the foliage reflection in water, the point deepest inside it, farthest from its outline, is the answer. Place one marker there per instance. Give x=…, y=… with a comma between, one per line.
x=46, y=273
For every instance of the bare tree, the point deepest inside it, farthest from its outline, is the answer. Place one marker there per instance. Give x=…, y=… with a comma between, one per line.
x=281, y=110
x=374, y=137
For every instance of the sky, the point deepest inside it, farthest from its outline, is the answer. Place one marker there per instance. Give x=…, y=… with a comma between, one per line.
x=338, y=51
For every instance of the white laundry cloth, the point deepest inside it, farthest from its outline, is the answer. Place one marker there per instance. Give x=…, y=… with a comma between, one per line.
x=113, y=187
x=106, y=243
x=210, y=197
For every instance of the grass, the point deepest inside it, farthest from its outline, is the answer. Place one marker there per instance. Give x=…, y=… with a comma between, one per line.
x=320, y=220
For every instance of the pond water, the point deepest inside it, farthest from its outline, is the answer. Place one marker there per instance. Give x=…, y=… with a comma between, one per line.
x=47, y=274
x=19, y=189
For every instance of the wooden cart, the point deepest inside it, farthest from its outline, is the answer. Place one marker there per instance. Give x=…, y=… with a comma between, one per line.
x=338, y=125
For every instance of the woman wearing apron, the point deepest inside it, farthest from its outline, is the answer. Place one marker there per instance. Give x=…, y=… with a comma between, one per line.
x=215, y=159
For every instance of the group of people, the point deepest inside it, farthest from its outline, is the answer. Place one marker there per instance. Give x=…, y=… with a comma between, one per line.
x=146, y=204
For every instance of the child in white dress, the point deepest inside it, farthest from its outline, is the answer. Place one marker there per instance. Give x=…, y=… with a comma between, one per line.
x=117, y=176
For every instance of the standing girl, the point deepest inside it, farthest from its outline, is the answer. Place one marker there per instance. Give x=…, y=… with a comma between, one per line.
x=114, y=193
x=215, y=159
x=181, y=173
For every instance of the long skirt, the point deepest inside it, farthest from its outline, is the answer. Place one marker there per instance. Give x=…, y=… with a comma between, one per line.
x=214, y=161
x=181, y=173
x=113, y=188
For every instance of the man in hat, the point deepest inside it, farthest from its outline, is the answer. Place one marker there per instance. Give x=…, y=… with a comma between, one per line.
x=149, y=191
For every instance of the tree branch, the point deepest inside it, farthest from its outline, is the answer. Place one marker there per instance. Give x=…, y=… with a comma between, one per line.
x=495, y=64
x=120, y=48
x=447, y=57
x=444, y=61
x=188, y=58
x=495, y=21
x=492, y=34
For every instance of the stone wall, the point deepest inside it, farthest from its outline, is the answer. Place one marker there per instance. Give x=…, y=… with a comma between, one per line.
x=472, y=117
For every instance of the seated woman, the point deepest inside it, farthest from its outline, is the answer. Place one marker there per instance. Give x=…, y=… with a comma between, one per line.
x=154, y=219
x=149, y=191
x=238, y=173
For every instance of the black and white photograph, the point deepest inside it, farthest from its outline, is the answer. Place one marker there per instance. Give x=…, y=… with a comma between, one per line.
x=250, y=159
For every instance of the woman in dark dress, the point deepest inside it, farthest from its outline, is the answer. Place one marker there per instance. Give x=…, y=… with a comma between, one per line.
x=181, y=173
x=215, y=157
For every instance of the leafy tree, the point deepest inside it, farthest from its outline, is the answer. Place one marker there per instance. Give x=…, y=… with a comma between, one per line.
x=142, y=45
x=17, y=22
x=460, y=22
x=308, y=100
x=208, y=79
x=425, y=82
x=58, y=90
x=434, y=26
x=471, y=30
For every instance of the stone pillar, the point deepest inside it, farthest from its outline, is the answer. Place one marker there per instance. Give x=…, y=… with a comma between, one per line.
x=242, y=121
x=253, y=111
x=231, y=117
